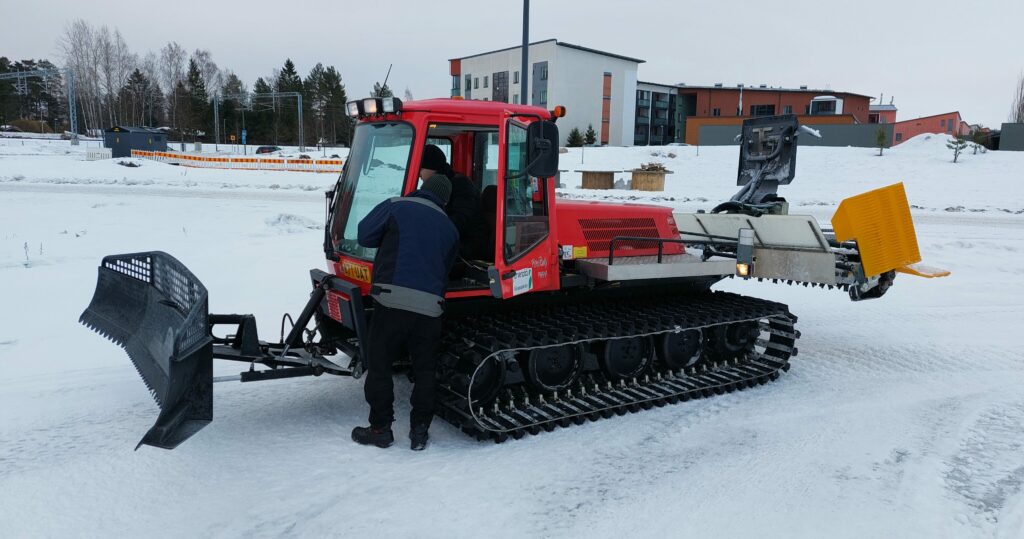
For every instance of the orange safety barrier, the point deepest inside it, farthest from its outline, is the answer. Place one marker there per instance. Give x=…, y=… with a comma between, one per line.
x=244, y=163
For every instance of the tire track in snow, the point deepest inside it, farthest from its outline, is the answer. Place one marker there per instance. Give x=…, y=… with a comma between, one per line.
x=987, y=471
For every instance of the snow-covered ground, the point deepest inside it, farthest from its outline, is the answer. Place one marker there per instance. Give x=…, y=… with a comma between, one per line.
x=901, y=417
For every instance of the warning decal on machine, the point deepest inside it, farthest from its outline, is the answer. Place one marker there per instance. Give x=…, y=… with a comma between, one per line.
x=522, y=281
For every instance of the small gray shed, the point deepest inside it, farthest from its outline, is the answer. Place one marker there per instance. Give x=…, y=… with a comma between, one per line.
x=122, y=140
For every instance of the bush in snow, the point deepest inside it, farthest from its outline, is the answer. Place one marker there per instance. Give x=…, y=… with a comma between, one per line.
x=957, y=144
x=881, y=140
x=590, y=137
x=575, y=139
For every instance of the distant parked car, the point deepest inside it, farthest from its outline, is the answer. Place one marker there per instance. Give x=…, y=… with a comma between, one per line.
x=268, y=149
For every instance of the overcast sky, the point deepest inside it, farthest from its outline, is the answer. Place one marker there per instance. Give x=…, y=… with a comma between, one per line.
x=933, y=56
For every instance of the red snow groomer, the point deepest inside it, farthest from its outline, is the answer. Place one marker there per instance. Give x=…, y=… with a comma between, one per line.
x=577, y=311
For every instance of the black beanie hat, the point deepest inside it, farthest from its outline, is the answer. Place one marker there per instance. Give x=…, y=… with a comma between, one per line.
x=434, y=159
x=440, y=185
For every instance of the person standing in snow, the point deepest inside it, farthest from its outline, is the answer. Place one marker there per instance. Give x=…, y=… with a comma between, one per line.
x=417, y=244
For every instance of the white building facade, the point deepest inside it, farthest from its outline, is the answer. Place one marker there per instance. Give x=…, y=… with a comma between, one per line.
x=597, y=88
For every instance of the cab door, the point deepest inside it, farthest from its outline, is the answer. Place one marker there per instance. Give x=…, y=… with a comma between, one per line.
x=525, y=248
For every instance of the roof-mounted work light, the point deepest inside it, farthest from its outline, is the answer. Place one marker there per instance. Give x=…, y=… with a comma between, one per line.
x=390, y=105
x=370, y=106
x=352, y=108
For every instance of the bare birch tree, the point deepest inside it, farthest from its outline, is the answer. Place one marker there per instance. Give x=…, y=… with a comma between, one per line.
x=172, y=72
x=1017, y=105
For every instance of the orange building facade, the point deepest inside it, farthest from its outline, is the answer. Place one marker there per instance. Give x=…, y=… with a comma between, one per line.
x=719, y=105
x=950, y=123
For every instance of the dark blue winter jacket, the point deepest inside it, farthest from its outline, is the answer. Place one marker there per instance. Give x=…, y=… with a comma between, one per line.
x=416, y=246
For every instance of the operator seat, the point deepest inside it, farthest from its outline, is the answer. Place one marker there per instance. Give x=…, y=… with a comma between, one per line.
x=489, y=209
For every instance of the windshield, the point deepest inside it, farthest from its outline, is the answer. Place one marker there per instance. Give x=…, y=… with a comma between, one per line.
x=375, y=171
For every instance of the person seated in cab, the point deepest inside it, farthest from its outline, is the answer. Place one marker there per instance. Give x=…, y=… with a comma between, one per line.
x=464, y=206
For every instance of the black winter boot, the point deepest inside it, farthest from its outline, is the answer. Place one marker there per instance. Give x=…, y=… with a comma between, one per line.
x=380, y=437
x=418, y=437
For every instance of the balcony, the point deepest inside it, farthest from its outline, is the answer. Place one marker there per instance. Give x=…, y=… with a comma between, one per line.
x=659, y=104
x=661, y=121
x=643, y=120
x=645, y=103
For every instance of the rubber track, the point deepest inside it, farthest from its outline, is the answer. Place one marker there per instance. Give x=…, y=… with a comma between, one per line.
x=518, y=410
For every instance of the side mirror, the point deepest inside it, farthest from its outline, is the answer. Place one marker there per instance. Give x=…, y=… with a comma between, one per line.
x=542, y=149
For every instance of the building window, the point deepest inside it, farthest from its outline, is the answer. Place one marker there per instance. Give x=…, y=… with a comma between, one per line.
x=807, y=109
x=899, y=137
x=872, y=118
x=476, y=82
x=788, y=109
x=739, y=111
x=455, y=82
x=485, y=81
x=500, y=90
x=469, y=87
x=716, y=112
x=515, y=77
x=762, y=110
x=515, y=99
x=543, y=97
x=544, y=73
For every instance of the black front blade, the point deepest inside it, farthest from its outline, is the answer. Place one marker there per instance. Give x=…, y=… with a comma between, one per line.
x=151, y=305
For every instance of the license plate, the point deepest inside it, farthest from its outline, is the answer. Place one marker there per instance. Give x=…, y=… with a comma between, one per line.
x=355, y=271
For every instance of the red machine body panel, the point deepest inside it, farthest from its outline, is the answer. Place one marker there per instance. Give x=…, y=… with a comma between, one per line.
x=586, y=229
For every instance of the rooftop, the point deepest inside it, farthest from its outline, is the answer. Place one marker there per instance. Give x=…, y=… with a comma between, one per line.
x=559, y=43
x=876, y=108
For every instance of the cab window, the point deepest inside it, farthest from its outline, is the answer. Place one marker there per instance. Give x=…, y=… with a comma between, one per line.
x=526, y=215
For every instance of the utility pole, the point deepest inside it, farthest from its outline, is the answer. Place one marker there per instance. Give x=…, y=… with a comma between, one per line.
x=524, y=86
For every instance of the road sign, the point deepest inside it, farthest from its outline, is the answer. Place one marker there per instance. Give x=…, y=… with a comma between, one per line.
x=243, y=136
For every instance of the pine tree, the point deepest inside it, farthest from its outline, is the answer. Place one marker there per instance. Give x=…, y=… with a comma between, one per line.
x=287, y=118
x=978, y=138
x=957, y=144
x=590, y=137
x=340, y=123
x=260, y=123
x=575, y=139
x=199, y=116
x=7, y=98
x=881, y=140
x=382, y=91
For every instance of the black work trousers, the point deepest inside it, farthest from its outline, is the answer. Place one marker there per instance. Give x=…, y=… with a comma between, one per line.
x=395, y=334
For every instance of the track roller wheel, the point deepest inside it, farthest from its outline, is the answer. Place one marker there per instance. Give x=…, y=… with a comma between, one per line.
x=730, y=341
x=552, y=369
x=680, y=350
x=487, y=382
x=623, y=359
